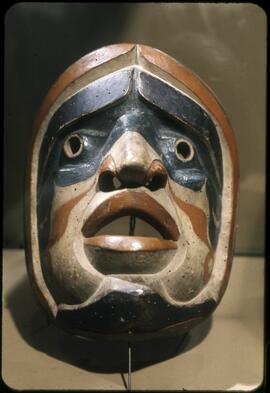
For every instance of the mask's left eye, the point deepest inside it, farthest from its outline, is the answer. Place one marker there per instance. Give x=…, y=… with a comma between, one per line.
x=73, y=145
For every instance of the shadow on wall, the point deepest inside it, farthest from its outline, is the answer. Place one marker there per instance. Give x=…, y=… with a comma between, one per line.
x=96, y=356
x=42, y=40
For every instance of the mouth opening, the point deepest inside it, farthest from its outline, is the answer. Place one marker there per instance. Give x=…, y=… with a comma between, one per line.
x=129, y=226
x=129, y=233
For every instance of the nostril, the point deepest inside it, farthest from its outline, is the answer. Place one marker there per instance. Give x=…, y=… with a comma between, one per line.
x=156, y=182
x=156, y=176
x=108, y=181
x=107, y=175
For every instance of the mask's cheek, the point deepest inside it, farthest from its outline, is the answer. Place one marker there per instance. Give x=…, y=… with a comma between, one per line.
x=66, y=269
x=185, y=280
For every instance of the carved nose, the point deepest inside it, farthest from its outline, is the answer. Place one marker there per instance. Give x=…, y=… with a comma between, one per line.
x=132, y=164
x=136, y=175
x=132, y=176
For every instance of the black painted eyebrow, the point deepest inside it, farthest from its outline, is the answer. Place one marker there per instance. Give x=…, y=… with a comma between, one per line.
x=96, y=96
x=174, y=103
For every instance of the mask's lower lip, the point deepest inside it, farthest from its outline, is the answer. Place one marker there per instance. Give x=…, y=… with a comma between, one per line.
x=129, y=254
x=130, y=243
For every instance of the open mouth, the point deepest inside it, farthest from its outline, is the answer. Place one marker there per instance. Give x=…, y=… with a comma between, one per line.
x=112, y=251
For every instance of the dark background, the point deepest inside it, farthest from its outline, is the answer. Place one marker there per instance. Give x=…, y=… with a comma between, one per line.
x=225, y=44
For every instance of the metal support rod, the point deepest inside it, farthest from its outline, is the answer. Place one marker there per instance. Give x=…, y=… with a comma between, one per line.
x=129, y=367
x=132, y=224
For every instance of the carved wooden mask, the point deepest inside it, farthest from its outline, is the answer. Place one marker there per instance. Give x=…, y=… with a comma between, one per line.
x=129, y=132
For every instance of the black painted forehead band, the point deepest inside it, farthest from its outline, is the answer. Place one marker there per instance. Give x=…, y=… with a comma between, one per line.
x=116, y=87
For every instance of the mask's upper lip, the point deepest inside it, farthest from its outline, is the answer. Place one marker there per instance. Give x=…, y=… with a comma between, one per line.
x=136, y=203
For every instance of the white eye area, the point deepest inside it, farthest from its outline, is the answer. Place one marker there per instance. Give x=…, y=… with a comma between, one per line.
x=73, y=145
x=184, y=150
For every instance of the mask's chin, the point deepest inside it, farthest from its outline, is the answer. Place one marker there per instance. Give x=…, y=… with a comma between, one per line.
x=121, y=309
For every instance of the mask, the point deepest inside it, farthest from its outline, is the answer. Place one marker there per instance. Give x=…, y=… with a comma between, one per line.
x=131, y=197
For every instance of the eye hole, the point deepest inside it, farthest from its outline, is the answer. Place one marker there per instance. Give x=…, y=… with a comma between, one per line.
x=184, y=150
x=73, y=146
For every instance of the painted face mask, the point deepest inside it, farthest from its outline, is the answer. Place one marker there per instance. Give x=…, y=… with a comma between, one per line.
x=131, y=196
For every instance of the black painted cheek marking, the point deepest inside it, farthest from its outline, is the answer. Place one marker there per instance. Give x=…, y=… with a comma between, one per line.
x=80, y=168
x=191, y=178
x=43, y=207
x=214, y=198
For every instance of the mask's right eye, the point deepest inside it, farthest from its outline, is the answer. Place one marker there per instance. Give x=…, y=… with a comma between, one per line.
x=73, y=145
x=184, y=150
